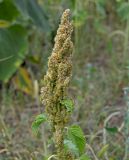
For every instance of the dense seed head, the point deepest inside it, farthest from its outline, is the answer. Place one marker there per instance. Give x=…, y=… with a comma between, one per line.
x=59, y=66
x=57, y=79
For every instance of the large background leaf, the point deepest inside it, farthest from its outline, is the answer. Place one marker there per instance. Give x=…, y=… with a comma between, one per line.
x=31, y=9
x=8, y=10
x=13, y=44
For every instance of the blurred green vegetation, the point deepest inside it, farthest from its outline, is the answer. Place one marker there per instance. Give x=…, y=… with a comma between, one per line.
x=100, y=72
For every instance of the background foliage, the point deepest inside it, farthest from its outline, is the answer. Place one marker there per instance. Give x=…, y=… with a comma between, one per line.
x=100, y=73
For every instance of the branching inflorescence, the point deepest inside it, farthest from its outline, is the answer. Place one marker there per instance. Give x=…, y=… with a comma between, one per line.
x=56, y=82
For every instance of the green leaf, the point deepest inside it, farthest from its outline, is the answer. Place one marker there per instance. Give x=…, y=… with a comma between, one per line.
x=37, y=122
x=123, y=10
x=68, y=103
x=31, y=9
x=8, y=11
x=13, y=44
x=103, y=150
x=84, y=157
x=76, y=135
x=69, y=146
x=112, y=129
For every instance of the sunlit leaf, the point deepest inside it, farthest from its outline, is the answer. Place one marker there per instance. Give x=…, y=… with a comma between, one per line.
x=37, y=122
x=76, y=135
x=23, y=82
x=4, y=24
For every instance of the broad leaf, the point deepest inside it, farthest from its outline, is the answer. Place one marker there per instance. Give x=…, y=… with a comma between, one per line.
x=76, y=135
x=8, y=11
x=13, y=48
x=70, y=146
x=38, y=121
x=31, y=9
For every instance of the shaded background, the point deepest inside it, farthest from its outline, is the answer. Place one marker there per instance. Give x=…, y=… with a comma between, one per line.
x=100, y=72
